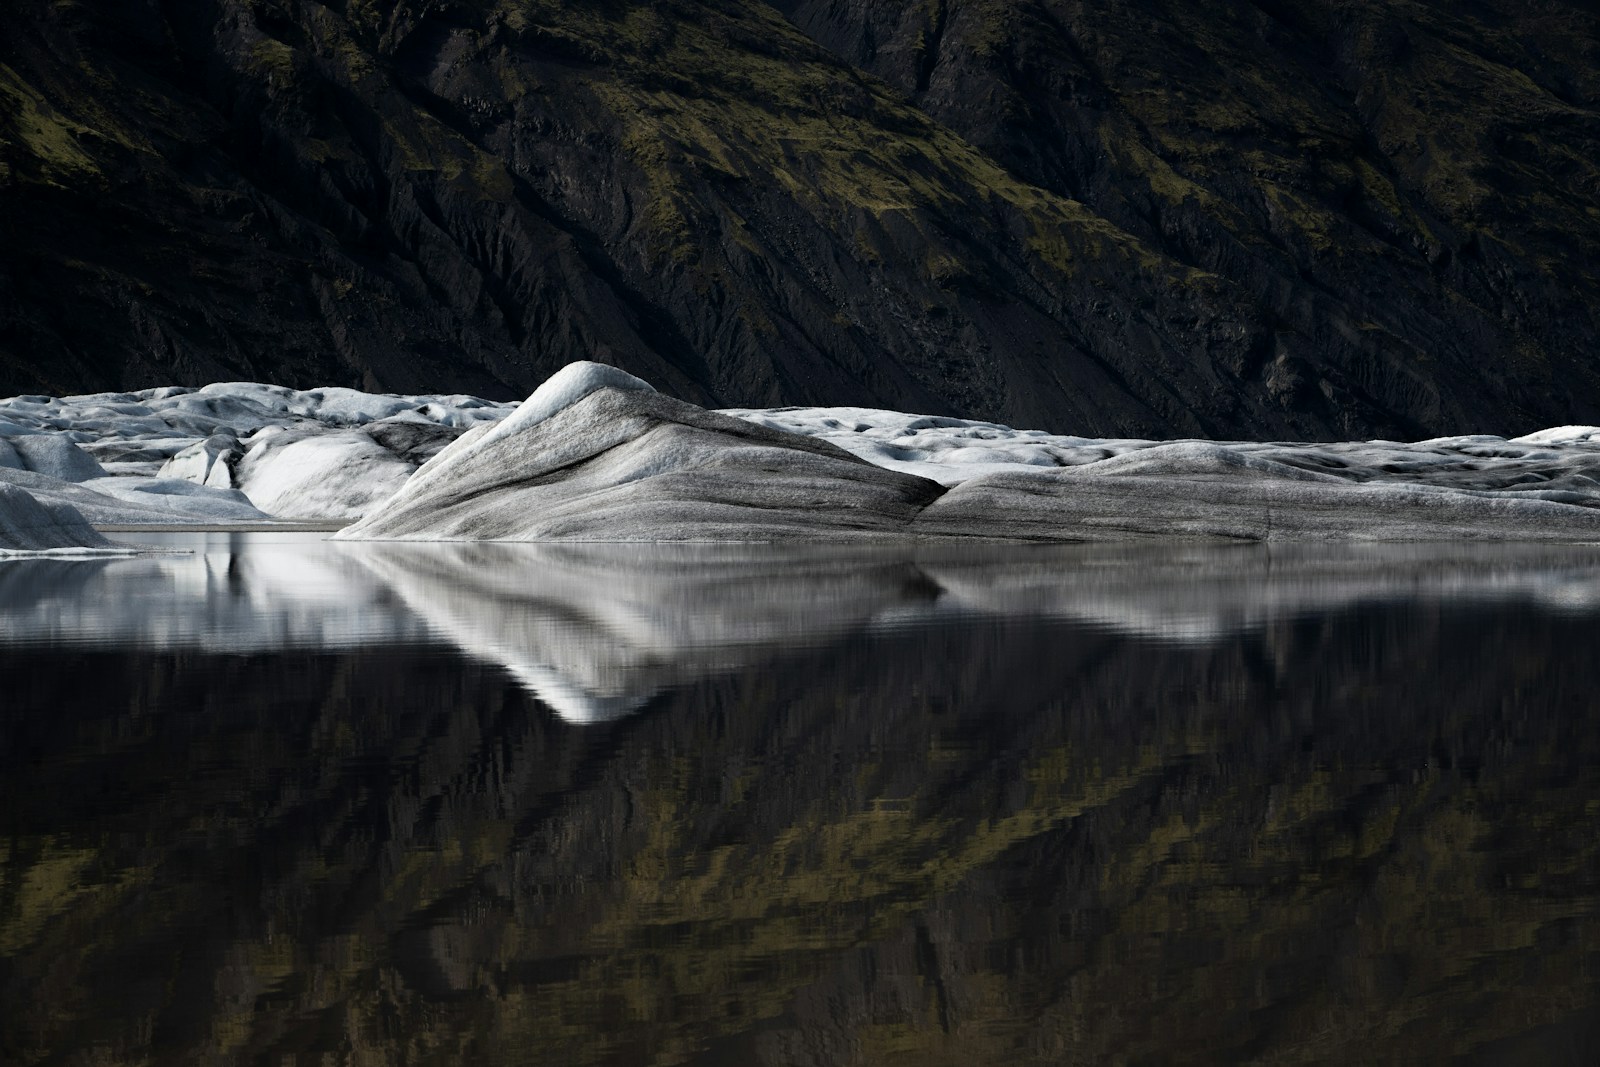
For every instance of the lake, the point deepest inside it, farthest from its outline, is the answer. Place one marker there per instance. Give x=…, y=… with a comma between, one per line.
x=270, y=799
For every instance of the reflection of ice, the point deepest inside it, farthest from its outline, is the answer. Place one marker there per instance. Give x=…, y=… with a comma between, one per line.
x=223, y=593
x=572, y=701
x=1198, y=593
x=595, y=631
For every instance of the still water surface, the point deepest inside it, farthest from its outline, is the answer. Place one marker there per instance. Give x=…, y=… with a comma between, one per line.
x=268, y=799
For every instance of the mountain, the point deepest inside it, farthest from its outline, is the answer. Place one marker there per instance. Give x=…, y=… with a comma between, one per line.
x=1261, y=220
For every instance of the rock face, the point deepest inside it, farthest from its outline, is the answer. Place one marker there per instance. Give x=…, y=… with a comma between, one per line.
x=1148, y=219
x=598, y=455
x=1404, y=191
x=26, y=525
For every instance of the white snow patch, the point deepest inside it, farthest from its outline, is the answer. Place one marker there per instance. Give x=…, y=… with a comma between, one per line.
x=338, y=476
x=1562, y=435
x=560, y=391
x=207, y=462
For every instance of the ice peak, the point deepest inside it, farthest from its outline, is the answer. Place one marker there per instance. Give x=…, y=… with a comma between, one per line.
x=561, y=390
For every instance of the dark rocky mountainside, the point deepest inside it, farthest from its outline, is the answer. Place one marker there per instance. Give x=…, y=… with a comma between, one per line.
x=1264, y=220
x=1409, y=193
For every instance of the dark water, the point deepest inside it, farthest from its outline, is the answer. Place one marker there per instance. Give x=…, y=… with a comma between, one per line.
x=284, y=802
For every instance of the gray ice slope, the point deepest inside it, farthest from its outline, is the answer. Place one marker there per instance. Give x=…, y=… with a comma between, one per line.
x=1201, y=490
x=27, y=525
x=597, y=455
x=246, y=452
x=133, y=500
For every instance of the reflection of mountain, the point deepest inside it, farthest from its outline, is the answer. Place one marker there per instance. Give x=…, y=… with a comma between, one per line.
x=1365, y=832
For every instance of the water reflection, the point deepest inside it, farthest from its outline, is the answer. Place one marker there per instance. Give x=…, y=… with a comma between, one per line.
x=1048, y=807
x=218, y=592
x=596, y=631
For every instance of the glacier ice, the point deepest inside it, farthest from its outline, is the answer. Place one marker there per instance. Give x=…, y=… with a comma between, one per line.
x=240, y=452
x=590, y=461
x=229, y=453
x=30, y=526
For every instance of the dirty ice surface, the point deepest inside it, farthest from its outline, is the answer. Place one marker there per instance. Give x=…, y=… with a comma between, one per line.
x=645, y=467
x=33, y=527
x=231, y=453
x=597, y=455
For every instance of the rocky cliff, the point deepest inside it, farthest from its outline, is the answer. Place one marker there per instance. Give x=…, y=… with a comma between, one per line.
x=1263, y=220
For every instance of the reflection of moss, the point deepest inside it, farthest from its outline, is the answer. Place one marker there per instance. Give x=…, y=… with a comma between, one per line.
x=46, y=889
x=722, y=895
x=51, y=891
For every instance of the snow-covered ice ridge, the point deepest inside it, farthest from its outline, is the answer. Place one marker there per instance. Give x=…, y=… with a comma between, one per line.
x=596, y=454
x=32, y=527
x=234, y=452
x=951, y=451
x=244, y=452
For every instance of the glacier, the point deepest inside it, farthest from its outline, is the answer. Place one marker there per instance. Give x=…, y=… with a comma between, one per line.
x=597, y=454
x=31, y=527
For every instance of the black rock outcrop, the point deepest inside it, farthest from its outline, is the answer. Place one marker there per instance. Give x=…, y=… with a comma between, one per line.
x=1142, y=219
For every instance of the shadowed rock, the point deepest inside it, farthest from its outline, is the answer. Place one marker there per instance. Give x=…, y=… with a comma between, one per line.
x=1313, y=220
